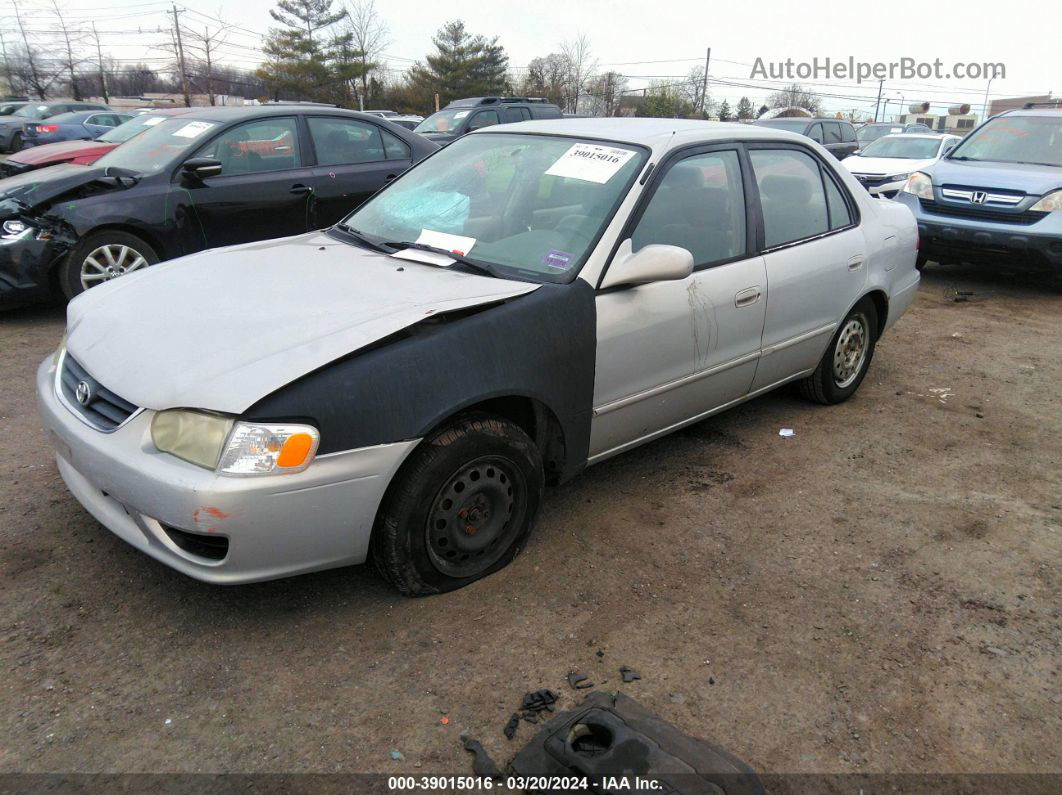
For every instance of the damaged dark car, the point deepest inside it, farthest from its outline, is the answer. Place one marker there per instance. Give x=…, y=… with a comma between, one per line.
x=213, y=177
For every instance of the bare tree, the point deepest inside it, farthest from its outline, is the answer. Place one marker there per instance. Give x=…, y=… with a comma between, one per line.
x=605, y=91
x=581, y=65
x=35, y=73
x=369, y=37
x=70, y=40
x=692, y=90
x=204, y=48
x=795, y=96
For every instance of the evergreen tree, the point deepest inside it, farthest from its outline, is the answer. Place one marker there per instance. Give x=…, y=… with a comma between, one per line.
x=724, y=111
x=744, y=108
x=463, y=65
x=307, y=58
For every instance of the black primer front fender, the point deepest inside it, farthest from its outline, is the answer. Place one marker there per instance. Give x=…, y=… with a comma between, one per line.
x=541, y=345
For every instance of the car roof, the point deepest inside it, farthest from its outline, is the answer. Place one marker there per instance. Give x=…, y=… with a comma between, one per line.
x=1049, y=112
x=658, y=134
x=235, y=112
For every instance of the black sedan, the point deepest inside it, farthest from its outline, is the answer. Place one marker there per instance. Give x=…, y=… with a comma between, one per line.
x=212, y=177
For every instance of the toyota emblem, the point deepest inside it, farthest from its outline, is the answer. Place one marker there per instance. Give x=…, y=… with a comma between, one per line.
x=979, y=197
x=83, y=393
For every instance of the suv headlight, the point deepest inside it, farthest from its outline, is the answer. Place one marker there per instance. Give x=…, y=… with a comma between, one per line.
x=216, y=442
x=898, y=177
x=920, y=185
x=1051, y=202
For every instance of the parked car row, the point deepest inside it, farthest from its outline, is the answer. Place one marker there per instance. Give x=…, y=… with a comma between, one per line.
x=13, y=127
x=884, y=165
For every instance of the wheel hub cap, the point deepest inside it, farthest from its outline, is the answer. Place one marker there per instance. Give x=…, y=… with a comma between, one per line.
x=850, y=351
x=109, y=262
x=471, y=523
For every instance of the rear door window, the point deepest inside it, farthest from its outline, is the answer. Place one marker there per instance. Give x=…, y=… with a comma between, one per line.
x=792, y=195
x=485, y=118
x=832, y=132
x=343, y=141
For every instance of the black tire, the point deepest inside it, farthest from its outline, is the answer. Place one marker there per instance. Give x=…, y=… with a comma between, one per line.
x=16, y=143
x=825, y=385
x=69, y=274
x=498, y=467
x=920, y=263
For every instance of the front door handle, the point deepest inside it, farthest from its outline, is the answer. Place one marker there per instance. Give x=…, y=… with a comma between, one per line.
x=300, y=190
x=855, y=263
x=747, y=297
x=390, y=177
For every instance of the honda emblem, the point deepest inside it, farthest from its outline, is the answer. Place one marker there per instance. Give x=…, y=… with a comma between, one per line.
x=979, y=197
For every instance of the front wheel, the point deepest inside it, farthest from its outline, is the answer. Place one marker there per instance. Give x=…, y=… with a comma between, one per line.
x=461, y=507
x=103, y=256
x=16, y=143
x=845, y=363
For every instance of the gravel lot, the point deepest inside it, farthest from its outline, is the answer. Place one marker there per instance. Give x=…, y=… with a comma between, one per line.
x=879, y=593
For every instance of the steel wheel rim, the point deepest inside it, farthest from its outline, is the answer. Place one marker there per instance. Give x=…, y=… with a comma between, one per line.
x=850, y=351
x=472, y=518
x=110, y=261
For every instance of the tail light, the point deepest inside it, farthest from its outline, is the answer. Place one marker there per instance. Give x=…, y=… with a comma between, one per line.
x=47, y=128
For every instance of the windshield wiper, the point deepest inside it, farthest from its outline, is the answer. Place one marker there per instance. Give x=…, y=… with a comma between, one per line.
x=1035, y=163
x=461, y=258
x=361, y=239
x=965, y=157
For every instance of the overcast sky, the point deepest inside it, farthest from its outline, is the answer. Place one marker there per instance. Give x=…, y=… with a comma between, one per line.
x=639, y=39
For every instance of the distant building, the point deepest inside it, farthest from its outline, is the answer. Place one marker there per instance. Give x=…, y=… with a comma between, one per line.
x=952, y=123
x=1014, y=103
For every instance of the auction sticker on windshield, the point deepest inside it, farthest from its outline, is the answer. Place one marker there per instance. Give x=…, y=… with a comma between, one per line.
x=193, y=129
x=590, y=163
x=151, y=121
x=459, y=244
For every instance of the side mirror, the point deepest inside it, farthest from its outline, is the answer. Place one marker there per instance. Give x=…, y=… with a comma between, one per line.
x=201, y=167
x=652, y=263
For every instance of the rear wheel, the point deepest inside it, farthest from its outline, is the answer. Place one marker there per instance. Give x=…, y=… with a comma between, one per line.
x=461, y=508
x=845, y=363
x=920, y=263
x=103, y=256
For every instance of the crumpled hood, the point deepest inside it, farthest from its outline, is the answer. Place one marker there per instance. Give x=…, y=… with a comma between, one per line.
x=35, y=188
x=222, y=329
x=884, y=165
x=1030, y=179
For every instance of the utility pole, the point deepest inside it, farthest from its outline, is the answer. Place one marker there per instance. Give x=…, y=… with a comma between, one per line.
x=180, y=58
x=704, y=83
x=99, y=60
x=881, y=85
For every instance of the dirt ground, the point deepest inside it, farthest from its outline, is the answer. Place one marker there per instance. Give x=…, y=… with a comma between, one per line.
x=879, y=593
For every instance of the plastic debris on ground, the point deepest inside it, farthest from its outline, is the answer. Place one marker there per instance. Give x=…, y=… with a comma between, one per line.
x=629, y=674
x=787, y=433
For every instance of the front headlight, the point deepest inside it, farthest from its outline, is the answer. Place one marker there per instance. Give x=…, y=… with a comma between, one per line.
x=194, y=436
x=920, y=185
x=1051, y=202
x=259, y=449
x=217, y=442
x=898, y=177
x=14, y=229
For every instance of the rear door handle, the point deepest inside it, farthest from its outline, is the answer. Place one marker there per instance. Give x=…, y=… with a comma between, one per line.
x=390, y=177
x=855, y=263
x=300, y=190
x=747, y=297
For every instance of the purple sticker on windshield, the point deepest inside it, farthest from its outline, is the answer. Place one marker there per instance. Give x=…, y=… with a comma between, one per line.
x=561, y=260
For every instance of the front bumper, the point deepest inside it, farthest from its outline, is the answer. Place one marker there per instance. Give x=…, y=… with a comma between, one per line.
x=945, y=238
x=275, y=526
x=24, y=270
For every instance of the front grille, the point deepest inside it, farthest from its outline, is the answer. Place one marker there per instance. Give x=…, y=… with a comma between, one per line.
x=873, y=181
x=980, y=214
x=98, y=406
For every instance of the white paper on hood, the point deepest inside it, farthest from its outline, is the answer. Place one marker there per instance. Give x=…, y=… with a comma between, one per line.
x=590, y=162
x=194, y=129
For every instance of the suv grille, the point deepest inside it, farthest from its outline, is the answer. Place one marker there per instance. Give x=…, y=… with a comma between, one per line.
x=98, y=406
x=978, y=213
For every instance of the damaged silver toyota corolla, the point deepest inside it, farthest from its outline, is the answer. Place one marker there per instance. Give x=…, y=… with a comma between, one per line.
x=529, y=300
